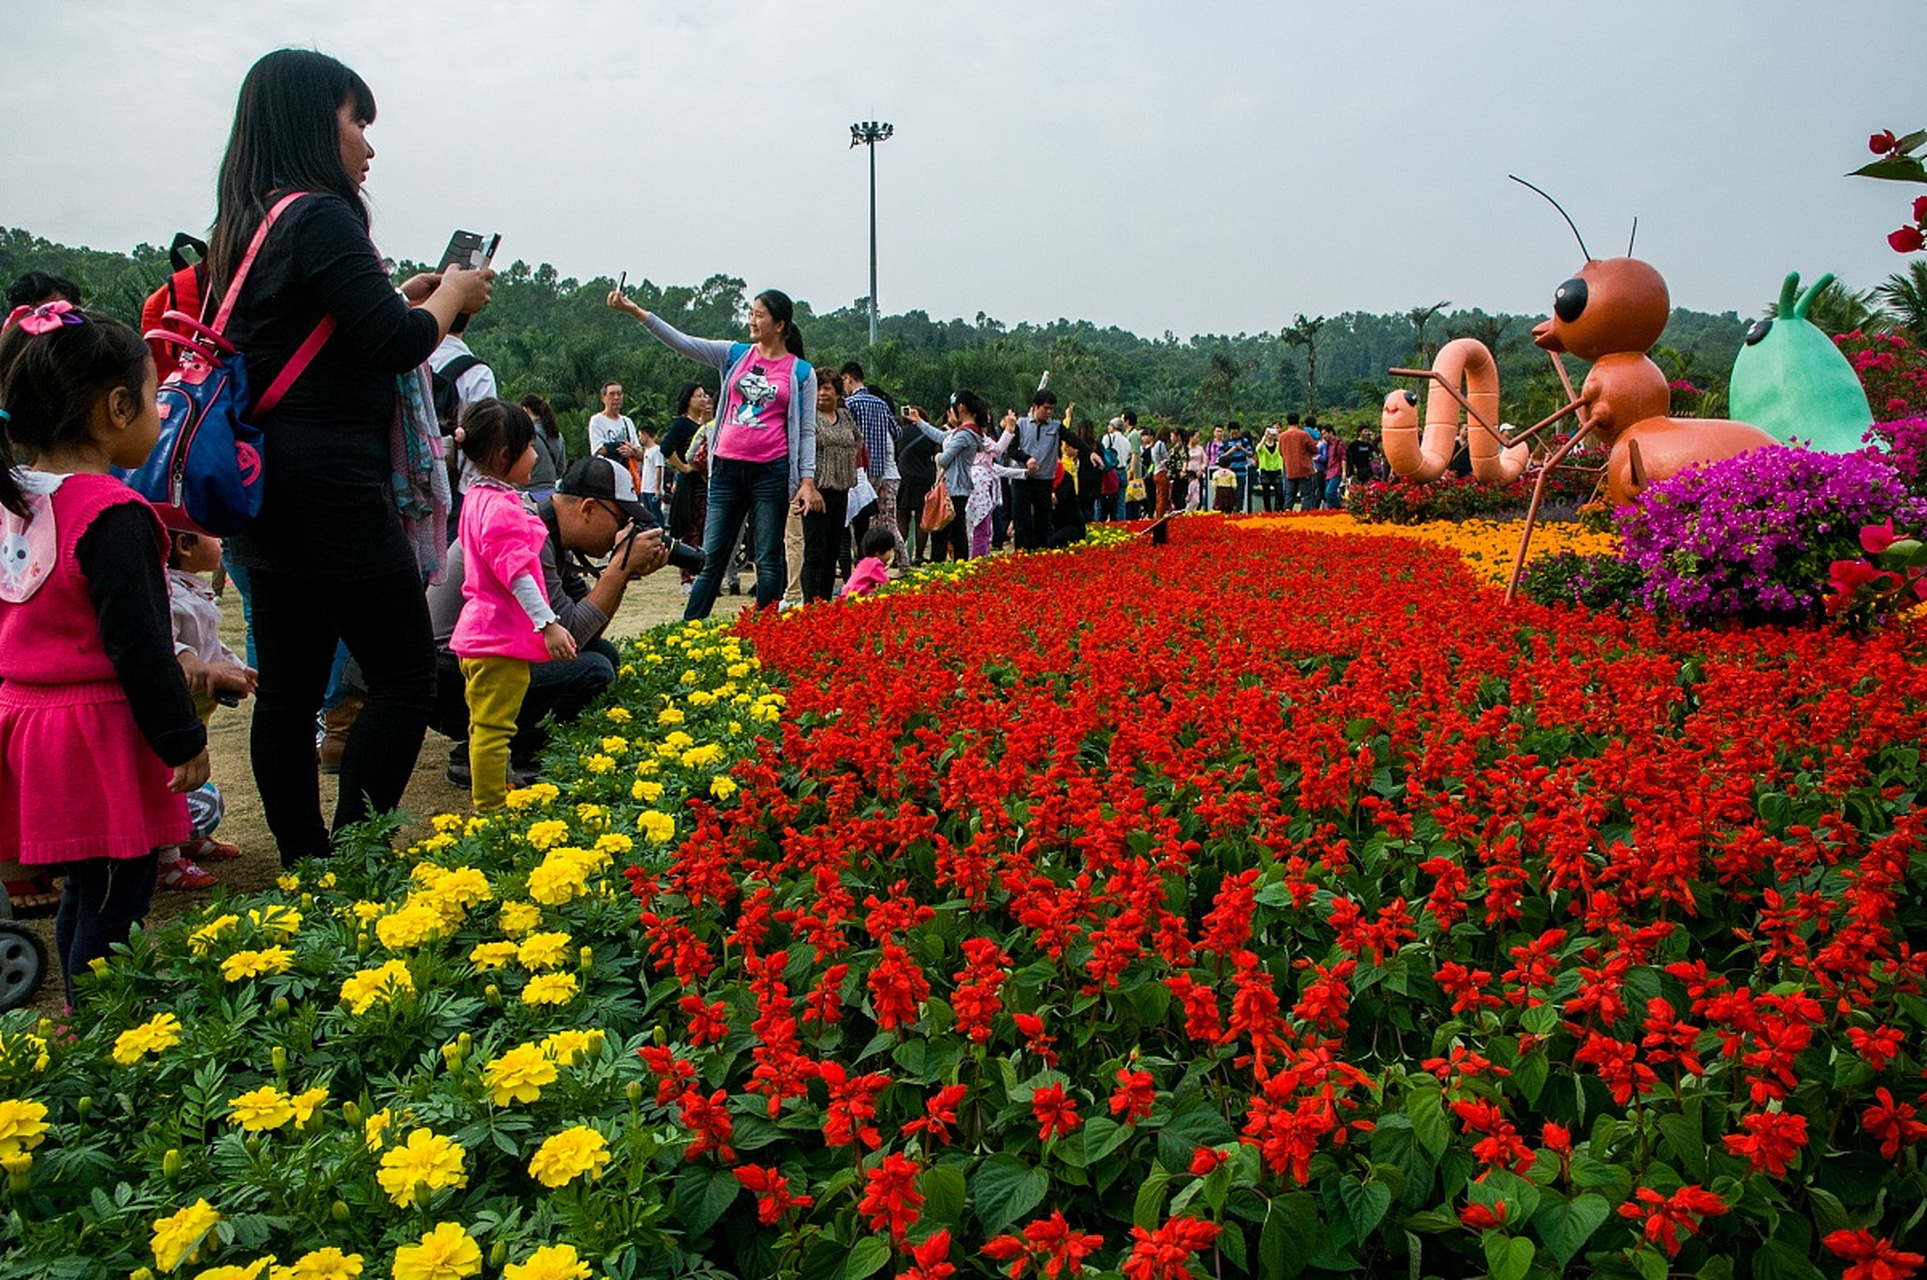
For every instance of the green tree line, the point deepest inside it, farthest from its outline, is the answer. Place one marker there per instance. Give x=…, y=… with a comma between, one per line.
x=551, y=334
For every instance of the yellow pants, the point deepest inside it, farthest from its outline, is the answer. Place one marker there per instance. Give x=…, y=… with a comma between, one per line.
x=495, y=688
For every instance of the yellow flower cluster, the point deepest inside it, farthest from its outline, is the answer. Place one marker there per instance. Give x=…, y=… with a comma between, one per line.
x=23, y=1126
x=177, y=1237
x=202, y=940
x=568, y=1155
x=551, y=988
x=426, y=1162
x=384, y=983
x=162, y=1031
x=1486, y=546
x=256, y=964
x=322, y=1264
x=268, y=1107
x=446, y=1253
x=24, y=1054
x=550, y=1262
x=281, y=921
x=564, y=872
x=520, y=1074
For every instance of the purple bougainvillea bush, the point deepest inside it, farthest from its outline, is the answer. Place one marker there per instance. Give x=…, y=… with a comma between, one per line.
x=1748, y=540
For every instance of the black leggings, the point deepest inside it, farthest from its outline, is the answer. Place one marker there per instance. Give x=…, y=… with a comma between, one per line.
x=297, y=620
x=952, y=542
x=821, y=529
x=101, y=899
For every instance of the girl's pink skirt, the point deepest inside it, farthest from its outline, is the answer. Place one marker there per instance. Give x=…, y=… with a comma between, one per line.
x=77, y=780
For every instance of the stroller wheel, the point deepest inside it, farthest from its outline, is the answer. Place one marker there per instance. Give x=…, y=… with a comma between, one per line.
x=23, y=962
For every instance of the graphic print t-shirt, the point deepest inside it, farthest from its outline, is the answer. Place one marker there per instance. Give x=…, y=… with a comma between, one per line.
x=753, y=424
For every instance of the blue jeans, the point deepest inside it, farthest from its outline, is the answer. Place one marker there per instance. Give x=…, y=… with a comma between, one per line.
x=237, y=573
x=1335, y=492
x=757, y=492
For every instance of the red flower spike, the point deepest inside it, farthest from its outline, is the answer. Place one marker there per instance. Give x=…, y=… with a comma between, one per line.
x=1906, y=239
x=1882, y=143
x=1872, y=1258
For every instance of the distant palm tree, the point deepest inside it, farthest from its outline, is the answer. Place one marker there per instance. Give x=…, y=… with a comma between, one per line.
x=1304, y=333
x=1905, y=294
x=1420, y=317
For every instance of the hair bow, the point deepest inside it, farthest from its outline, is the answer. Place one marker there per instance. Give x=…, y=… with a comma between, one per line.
x=46, y=317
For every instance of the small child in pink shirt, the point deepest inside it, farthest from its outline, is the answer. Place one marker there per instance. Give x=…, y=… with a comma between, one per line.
x=507, y=622
x=873, y=570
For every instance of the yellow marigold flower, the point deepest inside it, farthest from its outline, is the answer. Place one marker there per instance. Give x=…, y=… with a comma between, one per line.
x=369, y=985
x=765, y=714
x=251, y=1271
x=426, y=1160
x=327, y=881
x=727, y=689
x=374, y=1126
x=615, y=745
x=491, y=955
x=323, y=1264
x=737, y=670
x=447, y=822
x=554, y=884
x=670, y=715
x=202, y=940
x=544, y=950
x=656, y=826
x=288, y=883
x=162, y=1031
x=722, y=787
x=547, y=833
x=570, y=1046
x=446, y=1253
x=27, y=1052
x=645, y=791
x=410, y=925
x=701, y=698
x=690, y=677
x=550, y=1262
x=436, y=843
x=648, y=767
x=255, y=964
x=702, y=757
x=599, y=763
x=23, y=1126
x=365, y=911
x=678, y=741
x=617, y=715
x=614, y=843
x=177, y=1238
x=518, y=1075
x=592, y=816
x=282, y=921
x=262, y=1109
x=305, y=1102
x=653, y=659
x=568, y=1155
x=736, y=726
x=466, y=886
x=550, y=988
x=518, y=918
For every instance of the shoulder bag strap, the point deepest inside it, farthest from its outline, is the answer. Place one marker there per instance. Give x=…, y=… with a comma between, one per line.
x=311, y=347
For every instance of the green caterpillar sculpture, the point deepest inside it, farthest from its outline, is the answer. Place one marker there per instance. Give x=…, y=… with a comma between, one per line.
x=1792, y=382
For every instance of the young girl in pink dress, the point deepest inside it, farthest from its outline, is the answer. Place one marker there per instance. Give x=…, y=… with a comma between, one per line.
x=99, y=741
x=507, y=622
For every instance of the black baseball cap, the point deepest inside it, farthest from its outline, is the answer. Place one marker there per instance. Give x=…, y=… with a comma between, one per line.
x=606, y=480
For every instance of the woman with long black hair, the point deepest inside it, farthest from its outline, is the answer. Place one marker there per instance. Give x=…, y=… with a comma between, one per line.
x=328, y=559
x=685, y=451
x=762, y=457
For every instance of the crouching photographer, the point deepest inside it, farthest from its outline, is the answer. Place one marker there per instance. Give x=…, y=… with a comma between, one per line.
x=593, y=512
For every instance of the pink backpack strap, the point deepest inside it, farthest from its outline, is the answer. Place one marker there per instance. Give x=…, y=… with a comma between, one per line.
x=311, y=347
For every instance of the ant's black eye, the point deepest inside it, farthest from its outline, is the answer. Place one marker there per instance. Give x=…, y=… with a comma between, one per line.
x=1761, y=327
x=1411, y=397
x=1570, y=300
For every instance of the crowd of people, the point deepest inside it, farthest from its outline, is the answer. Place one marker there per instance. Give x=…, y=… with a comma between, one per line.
x=383, y=594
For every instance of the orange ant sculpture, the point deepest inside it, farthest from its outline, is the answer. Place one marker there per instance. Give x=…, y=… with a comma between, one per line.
x=1610, y=313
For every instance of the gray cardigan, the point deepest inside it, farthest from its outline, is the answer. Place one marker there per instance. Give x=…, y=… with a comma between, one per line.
x=956, y=451
x=728, y=357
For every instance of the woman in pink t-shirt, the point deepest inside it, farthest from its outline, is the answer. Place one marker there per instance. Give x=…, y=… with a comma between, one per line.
x=763, y=455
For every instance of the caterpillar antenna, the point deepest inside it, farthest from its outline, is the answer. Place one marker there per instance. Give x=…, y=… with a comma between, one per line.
x=1562, y=213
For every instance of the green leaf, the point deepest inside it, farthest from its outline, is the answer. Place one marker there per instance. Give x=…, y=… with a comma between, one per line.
x=1829, y=1215
x=1006, y=1189
x=1232, y=1241
x=1289, y=1237
x=1564, y=1227
x=1365, y=1204
x=1148, y=1209
x=1529, y=1075
x=1778, y=1260
x=943, y=1193
x=1508, y=1257
x=1651, y=1264
x=1102, y=1136
x=702, y=1195
x=867, y=1257
x=1893, y=170
x=1425, y=1107
x=1199, y=1125
x=1688, y=1145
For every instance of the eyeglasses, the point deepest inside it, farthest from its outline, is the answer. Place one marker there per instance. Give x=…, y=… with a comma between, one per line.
x=614, y=511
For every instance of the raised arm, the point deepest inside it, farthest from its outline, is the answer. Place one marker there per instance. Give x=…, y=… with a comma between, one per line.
x=707, y=351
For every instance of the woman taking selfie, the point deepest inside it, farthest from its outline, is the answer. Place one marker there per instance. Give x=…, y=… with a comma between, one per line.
x=762, y=457
x=328, y=558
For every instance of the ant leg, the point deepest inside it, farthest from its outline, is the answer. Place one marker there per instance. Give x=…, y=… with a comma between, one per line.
x=1532, y=512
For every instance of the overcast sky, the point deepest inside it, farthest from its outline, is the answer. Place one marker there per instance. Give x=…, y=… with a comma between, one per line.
x=1193, y=167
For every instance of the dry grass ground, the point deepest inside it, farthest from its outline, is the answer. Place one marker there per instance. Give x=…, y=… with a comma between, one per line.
x=650, y=601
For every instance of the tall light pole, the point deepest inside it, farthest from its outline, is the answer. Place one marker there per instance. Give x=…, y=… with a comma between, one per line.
x=868, y=133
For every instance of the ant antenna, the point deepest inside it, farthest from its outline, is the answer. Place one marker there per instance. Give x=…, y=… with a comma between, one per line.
x=1562, y=213
x=1634, y=236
